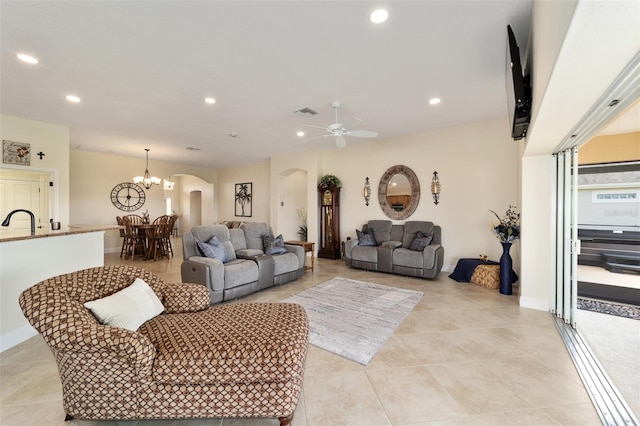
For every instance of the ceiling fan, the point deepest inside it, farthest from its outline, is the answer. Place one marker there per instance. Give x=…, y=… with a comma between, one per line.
x=338, y=130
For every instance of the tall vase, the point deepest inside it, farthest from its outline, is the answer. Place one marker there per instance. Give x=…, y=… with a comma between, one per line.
x=506, y=265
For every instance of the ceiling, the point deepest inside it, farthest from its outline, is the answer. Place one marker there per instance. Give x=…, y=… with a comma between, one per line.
x=142, y=70
x=628, y=121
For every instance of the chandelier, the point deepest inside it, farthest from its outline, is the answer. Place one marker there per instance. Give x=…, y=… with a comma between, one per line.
x=147, y=180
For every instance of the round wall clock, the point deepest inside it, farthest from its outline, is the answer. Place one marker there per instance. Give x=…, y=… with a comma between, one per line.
x=127, y=196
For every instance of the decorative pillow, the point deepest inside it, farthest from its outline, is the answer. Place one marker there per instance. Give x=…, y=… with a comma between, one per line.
x=274, y=245
x=214, y=248
x=366, y=238
x=128, y=308
x=420, y=241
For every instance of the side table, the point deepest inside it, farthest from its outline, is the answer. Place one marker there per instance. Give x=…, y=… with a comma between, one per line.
x=307, y=246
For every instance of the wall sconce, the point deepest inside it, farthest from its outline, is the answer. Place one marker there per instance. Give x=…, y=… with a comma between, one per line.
x=169, y=184
x=435, y=188
x=366, y=191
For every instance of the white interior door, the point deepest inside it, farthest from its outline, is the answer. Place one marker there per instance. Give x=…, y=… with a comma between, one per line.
x=20, y=194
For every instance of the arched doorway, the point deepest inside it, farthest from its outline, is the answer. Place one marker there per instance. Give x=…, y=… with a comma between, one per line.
x=292, y=204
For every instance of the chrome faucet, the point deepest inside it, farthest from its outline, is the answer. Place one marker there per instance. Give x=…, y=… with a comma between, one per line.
x=33, y=219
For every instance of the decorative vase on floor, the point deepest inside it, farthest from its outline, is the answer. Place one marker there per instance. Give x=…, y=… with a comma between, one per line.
x=506, y=265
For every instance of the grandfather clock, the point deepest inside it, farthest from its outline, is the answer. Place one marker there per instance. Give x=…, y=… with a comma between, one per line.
x=329, y=201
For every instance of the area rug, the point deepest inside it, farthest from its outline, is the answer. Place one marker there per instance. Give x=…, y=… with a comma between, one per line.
x=609, y=308
x=353, y=318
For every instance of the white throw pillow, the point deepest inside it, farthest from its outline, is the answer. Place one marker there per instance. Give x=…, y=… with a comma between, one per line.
x=128, y=308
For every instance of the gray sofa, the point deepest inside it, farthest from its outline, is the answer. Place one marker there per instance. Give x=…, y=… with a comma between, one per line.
x=247, y=270
x=392, y=251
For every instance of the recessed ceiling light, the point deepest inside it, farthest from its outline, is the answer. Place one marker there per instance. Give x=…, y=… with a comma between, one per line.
x=72, y=98
x=378, y=16
x=210, y=100
x=300, y=133
x=27, y=58
x=434, y=101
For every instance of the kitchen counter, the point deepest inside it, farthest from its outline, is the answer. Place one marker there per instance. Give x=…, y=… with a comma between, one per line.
x=45, y=232
x=27, y=259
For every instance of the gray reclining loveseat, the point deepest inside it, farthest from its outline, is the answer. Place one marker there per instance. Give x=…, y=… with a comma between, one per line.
x=392, y=248
x=246, y=268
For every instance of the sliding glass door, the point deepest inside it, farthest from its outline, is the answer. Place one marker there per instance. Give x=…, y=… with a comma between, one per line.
x=564, y=289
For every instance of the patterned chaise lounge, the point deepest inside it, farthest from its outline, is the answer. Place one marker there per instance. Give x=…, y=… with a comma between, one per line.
x=191, y=361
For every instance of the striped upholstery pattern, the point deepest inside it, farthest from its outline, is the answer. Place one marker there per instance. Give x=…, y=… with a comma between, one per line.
x=239, y=360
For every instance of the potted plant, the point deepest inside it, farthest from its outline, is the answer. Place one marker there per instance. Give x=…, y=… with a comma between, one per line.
x=508, y=232
x=302, y=229
x=327, y=181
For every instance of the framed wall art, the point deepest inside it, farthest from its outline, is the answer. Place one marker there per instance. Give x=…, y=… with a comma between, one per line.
x=244, y=195
x=16, y=153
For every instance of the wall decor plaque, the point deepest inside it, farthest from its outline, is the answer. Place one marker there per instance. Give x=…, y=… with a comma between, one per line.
x=16, y=153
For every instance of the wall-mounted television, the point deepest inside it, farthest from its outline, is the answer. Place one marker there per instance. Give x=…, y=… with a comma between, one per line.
x=518, y=90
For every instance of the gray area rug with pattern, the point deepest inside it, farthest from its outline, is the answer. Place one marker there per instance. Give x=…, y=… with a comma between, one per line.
x=353, y=318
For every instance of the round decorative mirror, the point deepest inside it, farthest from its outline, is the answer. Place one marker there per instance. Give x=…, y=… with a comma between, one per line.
x=399, y=192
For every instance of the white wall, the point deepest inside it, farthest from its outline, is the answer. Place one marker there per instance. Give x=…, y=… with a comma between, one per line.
x=94, y=174
x=477, y=170
x=477, y=164
x=258, y=175
x=53, y=141
x=538, y=226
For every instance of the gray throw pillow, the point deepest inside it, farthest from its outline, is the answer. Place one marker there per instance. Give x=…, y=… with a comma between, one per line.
x=274, y=245
x=214, y=248
x=366, y=238
x=420, y=241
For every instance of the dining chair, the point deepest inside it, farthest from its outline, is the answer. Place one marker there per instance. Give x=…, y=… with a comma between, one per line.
x=158, y=237
x=135, y=219
x=170, y=228
x=164, y=225
x=132, y=240
x=122, y=233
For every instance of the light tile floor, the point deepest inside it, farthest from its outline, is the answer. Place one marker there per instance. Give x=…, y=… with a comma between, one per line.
x=465, y=355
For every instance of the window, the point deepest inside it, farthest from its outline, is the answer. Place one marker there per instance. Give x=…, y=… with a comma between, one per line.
x=622, y=196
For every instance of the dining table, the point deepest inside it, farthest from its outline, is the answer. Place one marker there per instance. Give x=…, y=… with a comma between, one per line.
x=146, y=230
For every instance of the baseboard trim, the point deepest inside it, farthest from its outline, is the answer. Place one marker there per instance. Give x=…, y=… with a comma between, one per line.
x=16, y=337
x=534, y=303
